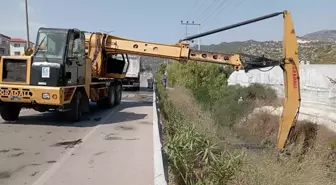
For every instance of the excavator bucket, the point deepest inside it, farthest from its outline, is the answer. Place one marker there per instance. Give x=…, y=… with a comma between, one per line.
x=291, y=82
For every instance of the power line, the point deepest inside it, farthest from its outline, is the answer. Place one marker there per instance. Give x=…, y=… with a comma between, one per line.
x=202, y=5
x=219, y=8
x=213, y=4
x=239, y=3
x=192, y=8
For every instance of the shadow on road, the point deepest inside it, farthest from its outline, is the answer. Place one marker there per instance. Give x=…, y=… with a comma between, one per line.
x=95, y=117
x=142, y=89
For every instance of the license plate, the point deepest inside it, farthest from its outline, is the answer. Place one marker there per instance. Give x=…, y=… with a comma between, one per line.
x=15, y=94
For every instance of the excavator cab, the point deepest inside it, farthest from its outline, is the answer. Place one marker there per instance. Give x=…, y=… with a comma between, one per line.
x=59, y=58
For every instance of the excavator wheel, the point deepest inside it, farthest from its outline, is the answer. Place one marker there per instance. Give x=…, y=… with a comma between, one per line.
x=109, y=101
x=118, y=94
x=75, y=112
x=10, y=112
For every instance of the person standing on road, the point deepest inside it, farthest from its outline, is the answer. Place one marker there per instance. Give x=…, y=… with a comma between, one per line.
x=164, y=80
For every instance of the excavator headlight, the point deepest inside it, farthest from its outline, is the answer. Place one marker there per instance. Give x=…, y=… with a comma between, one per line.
x=46, y=96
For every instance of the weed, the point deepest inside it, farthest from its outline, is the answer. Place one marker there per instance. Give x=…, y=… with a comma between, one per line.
x=193, y=154
x=207, y=120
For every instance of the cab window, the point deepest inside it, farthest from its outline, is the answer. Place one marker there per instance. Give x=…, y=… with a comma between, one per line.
x=51, y=44
x=76, y=45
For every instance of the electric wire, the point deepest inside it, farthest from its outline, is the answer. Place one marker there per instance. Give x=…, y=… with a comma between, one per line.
x=218, y=13
x=222, y=6
x=213, y=4
x=192, y=8
x=201, y=5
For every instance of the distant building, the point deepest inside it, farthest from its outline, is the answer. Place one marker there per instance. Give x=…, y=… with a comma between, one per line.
x=4, y=45
x=18, y=46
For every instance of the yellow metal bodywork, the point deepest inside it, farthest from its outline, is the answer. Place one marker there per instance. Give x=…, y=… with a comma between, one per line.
x=97, y=42
x=30, y=94
x=291, y=82
x=94, y=44
x=28, y=72
x=88, y=77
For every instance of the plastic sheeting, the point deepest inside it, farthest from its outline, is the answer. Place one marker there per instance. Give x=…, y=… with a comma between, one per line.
x=316, y=88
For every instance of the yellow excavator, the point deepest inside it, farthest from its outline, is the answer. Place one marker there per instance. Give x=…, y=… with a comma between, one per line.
x=69, y=67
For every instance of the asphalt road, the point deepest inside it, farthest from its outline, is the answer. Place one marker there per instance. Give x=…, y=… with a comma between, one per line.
x=110, y=147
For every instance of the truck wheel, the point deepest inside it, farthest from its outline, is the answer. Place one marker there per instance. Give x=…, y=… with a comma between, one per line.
x=118, y=94
x=10, y=112
x=111, y=96
x=109, y=101
x=75, y=112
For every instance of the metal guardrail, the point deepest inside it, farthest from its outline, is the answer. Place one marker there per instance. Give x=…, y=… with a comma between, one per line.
x=160, y=174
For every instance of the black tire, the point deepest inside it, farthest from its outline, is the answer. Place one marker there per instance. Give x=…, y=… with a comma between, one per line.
x=10, y=112
x=118, y=94
x=109, y=101
x=75, y=112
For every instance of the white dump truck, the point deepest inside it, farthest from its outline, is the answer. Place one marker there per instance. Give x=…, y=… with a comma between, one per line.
x=132, y=79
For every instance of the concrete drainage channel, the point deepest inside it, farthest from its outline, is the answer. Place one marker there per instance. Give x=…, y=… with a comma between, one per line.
x=160, y=174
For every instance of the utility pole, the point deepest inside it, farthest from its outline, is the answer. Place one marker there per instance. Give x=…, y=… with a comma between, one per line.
x=187, y=23
x=199, y=41
x=27, y=24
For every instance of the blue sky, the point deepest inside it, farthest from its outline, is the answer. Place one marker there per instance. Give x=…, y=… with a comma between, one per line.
x=160, y=21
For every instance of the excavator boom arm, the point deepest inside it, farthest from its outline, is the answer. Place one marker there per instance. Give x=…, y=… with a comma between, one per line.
x=290, y=68
x=181, y=52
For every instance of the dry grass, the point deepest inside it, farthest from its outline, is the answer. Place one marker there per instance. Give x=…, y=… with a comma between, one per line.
x=183, y=100
x=310, y=160
x=203, y=120
x=193, y=154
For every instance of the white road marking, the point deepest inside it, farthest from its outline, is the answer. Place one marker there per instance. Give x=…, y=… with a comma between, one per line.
x=53, y=169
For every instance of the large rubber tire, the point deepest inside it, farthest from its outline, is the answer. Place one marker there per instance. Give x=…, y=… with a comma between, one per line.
x=10, y=112
x=118, y=94
x=109, y=101
x=75, y=112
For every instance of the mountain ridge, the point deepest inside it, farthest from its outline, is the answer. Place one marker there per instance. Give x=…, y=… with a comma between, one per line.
x=317, y=47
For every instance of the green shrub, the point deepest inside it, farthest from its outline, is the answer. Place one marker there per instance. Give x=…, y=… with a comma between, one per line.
x=194, y=157
x=187, y=146
x=208, y=82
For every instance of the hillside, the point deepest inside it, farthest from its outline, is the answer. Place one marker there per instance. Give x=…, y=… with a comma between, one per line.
x=323, y=35
x=318, y=47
